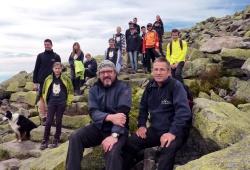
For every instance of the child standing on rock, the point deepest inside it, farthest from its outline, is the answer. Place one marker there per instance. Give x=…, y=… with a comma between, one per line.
x=57, y=93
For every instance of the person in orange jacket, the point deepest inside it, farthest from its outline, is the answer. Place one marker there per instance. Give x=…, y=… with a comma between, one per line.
x=150, y=46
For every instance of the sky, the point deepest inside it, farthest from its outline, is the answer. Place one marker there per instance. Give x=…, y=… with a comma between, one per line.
x=25, y=24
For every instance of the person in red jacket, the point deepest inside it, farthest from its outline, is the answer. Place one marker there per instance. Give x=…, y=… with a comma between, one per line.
x=150, y=46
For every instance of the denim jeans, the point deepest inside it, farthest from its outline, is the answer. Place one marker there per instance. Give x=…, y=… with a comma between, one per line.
x=133, y=59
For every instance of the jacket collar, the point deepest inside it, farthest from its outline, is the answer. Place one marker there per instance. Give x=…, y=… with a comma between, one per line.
x=165, y=82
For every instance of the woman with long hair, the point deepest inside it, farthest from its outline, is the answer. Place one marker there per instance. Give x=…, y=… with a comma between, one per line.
x=76, y=67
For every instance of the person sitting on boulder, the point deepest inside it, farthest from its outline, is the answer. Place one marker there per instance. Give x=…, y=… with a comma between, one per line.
x=165, y=99
x=57, y=92
x=109, y=103
x=176, y=54
x=90, y=66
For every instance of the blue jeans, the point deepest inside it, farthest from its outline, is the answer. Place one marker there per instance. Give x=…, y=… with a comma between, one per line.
x=133, y=59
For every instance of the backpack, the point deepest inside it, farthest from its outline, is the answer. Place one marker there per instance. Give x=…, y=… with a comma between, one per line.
x=171, y=88
x=170, y=46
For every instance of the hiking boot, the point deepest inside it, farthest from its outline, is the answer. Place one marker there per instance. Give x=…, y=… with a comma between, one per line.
x=44, y=145
x=54, y=143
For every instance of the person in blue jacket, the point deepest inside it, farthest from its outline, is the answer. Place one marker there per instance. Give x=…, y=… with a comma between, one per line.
x=170, y=117
x=109, y=103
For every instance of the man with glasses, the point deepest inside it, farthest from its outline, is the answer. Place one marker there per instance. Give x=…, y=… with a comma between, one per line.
x=109, y=105
x=170, y=118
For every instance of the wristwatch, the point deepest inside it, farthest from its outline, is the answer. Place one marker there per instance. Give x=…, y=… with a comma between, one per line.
x=115, y=135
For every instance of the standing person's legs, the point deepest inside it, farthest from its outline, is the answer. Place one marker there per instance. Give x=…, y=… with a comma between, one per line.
x=160, y=45
x=147, y=60
x=77, y=85
x=135, y=56
x=85, y=137
x=124, y=61
x=43, y=110
x=167, y=155
x=130, y=53
x=59, y=115
x=113, y=158
x=50, y=118
x=178, y=71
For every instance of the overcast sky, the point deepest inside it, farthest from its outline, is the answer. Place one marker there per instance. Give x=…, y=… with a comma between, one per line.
x=24, y=24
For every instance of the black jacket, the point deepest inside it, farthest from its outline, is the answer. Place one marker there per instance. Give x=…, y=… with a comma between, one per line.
x=133, y=42
x=44, y=64
x=169, y=111
x=103, y=101
x=111, y=54
x=159, y=29
x=71, y=63
x=91, y=66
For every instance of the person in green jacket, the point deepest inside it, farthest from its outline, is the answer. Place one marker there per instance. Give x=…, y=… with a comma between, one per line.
x=57, y=92
x=176, y=54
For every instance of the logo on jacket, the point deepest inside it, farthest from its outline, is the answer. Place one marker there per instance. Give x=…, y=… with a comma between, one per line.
x=165, y=102
x=56, y=89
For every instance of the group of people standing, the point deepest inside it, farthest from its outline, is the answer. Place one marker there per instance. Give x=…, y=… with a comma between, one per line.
x=124, y=49
x=109, y=101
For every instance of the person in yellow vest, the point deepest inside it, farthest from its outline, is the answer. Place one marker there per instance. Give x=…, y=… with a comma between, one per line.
x=57, y=93
x=176, y=54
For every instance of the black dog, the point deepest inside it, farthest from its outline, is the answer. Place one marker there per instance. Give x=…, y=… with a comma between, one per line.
x=20, y=125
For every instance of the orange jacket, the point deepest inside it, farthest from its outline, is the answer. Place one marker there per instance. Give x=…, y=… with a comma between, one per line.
x=150, y=40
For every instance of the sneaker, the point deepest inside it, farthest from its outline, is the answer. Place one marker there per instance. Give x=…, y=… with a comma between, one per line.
x=54, y=144
x=44, y=145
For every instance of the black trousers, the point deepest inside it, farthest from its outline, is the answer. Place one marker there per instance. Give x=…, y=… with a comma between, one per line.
x=54, y=110
x=89, y=74
x=90, y=136
x=135, y=144
x=177, y=72
x=76, y=84
x=151, y=54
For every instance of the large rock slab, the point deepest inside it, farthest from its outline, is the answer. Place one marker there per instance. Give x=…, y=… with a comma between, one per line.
x=243, y=90
x=235, y=157
x=220, y=122
x=24, y=97
x=215, y=44
x=237, y=53
x=37, y=134
x=246, y=66
x=50, y=159
x=20, y=79
x=75, y=122
x=195, y=67
x=10, y=164
x=21, y=150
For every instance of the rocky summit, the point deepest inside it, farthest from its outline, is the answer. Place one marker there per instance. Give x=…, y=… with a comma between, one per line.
x=217, y=71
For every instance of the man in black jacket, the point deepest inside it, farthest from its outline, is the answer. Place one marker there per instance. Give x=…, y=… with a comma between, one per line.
x=43, y=68
x=109, y=104
x=170, y=117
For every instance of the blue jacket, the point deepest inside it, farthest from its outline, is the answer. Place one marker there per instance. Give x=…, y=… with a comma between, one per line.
x=109, y=100
x=169, y=111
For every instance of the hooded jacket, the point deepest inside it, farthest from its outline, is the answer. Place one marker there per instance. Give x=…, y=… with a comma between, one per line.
x=109, y=100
